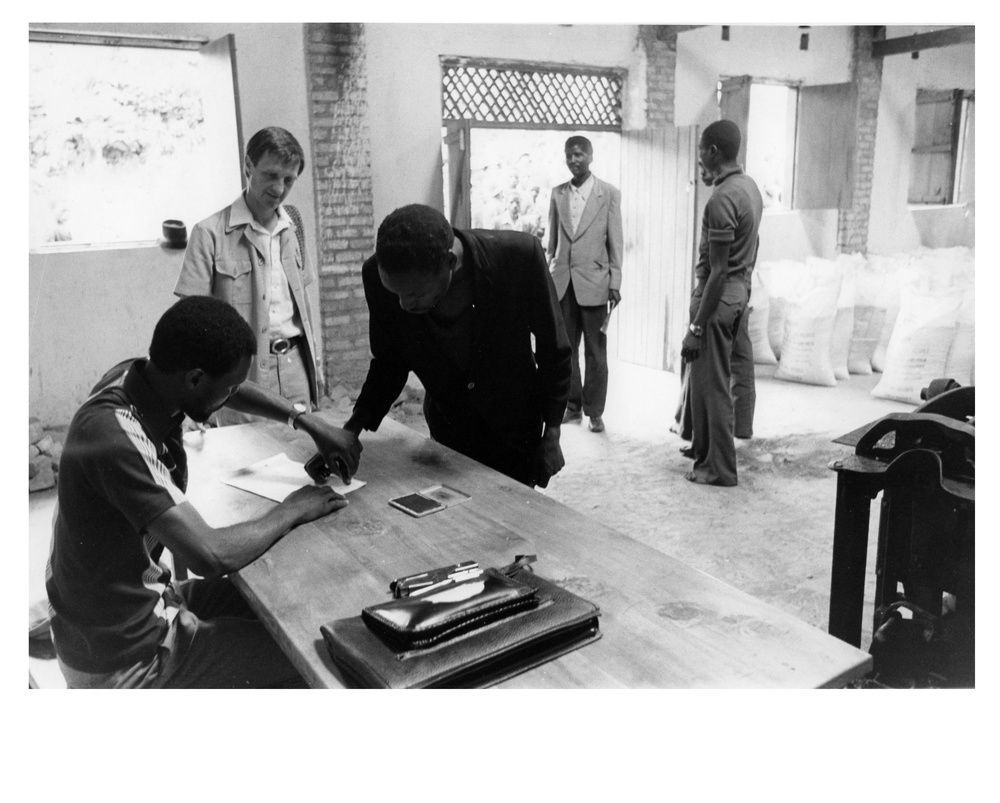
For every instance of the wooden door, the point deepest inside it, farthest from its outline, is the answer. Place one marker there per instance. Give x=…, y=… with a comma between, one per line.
x=658, y=212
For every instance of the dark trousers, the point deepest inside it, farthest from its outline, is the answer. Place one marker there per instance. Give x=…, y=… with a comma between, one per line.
x=743, y=387
x=474, y=438
x=710, y=378
x=215, y=641
x=587, y=392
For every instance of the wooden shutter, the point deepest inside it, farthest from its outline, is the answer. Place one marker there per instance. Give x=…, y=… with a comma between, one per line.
x=658, y=202
x=825, y=146
x=735, y=105
x=456, y=173
x=935, y=144
x=223, y=101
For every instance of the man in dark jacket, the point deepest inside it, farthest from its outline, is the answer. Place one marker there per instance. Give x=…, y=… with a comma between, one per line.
x=474, y=315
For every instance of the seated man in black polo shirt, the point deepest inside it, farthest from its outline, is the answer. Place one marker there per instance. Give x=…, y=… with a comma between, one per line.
x=118, y=620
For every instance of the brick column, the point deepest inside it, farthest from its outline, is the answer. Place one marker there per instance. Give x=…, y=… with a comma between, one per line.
x=659, y=45
x=866, y=72
x=337, y=87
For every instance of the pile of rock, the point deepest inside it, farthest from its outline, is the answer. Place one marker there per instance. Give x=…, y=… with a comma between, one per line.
x=44, y=450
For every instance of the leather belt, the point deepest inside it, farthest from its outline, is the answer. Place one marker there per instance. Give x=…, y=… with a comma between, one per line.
x=282, y=345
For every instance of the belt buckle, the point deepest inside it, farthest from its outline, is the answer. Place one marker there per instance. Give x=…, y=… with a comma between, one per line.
x=280, y=346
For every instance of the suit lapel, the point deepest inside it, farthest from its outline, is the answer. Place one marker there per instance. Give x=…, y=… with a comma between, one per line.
x=594, y=203
x=562, y=207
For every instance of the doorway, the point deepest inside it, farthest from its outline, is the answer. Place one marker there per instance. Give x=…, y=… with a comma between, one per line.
x=512, y=173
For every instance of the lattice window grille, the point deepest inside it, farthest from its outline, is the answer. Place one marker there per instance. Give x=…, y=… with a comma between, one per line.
x=531, y=97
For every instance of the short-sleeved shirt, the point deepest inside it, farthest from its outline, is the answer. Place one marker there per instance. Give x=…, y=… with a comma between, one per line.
x=732, y=216
x=123, y=464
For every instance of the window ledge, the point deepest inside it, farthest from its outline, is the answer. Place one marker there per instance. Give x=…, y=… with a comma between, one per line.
x=929, y=207
x=70, y=247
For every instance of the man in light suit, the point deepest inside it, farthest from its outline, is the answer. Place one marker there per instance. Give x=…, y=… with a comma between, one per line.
x=585, y=257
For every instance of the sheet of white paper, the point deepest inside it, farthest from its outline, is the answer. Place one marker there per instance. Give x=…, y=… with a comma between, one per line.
x=276, y=477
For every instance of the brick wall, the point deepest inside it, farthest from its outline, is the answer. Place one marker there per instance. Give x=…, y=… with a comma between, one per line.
x=659, y=43
x=338, y=98
x=866, y=72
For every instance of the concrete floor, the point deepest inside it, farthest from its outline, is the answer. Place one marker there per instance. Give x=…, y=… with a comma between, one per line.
x=783, y=554
x=772, y=535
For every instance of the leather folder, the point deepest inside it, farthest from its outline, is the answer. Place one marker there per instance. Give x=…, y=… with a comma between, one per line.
x=514, y=623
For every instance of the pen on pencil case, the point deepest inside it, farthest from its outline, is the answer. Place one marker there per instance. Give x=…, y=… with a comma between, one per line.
x=453, y=579
x=440, y=574
x=432, y=587
x=419, y=582
x=465, y=574
x=403, y=586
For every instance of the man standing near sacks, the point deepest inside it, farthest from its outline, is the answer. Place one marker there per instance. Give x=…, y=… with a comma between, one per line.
x=585, y=256
x=726, y=254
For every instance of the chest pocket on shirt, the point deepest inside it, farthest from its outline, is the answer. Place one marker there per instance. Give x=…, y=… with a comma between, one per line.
x=233, y=282
x=305, y=279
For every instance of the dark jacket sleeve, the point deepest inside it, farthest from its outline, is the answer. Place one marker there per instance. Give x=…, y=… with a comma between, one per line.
x=387, y=372
x=552, y=349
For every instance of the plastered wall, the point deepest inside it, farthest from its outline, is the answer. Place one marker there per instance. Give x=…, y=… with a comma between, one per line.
x=405, y=89
x=87, y=306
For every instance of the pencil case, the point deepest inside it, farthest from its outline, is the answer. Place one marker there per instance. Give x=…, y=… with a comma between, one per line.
x=424, y=620
x=515, y=622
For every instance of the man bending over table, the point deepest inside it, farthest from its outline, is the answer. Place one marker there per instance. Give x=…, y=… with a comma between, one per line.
x=474, y=314
x=118, y=620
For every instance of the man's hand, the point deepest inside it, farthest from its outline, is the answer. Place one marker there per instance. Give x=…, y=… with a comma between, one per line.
x=690, y=347
x=340, y=448
x=313, y=502
x=549, y=459
x=614, y=298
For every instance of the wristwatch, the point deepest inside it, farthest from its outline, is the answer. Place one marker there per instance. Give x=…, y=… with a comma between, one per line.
x=297, y=409
x=696, y=330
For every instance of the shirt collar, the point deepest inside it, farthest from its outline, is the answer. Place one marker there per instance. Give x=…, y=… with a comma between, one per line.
x=158, y=421
x=240, y=215
x=727, y=172
x=584, y=189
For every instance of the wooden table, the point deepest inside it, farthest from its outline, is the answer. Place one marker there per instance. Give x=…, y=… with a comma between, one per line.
x=664, y=624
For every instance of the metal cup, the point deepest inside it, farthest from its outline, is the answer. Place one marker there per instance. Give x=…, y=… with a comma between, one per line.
x=175, y=233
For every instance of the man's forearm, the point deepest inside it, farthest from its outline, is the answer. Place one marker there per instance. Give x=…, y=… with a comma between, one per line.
x=358, y=421
x=710, y=298
x=239, y=544
x=718, y=260
x=211, y=551
x=341, y=449
x=252, y=399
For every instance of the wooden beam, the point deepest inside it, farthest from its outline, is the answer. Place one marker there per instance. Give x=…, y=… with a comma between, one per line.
x=664, y=32
x=964, y=34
